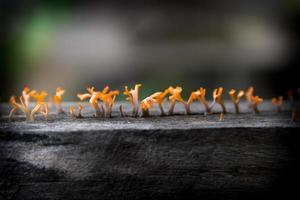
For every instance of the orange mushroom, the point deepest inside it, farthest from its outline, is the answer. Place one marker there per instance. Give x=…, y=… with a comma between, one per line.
x=200, y=96
x=217, y=95
x=249, y=94
x=78, y=113
x=146, y=104
x=21, y=106
x=40, y=104
x=174, y=97
x=254, y=101
x=27, y=93
x=93, y=99
x=25, y=108
x=278, y=102
x=194, y=96
x=133, y=98
x=236, y=98
x=57, y=99
x=157, y=97
x=108, y=99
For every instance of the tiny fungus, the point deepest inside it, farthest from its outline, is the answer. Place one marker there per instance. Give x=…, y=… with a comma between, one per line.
x=27, y=93
x=78, y=113
x=93, y=99
x=108, y=99
x=236, y=99
x=121, y=111
x=217, y=95
x=133, y=98
x=22, y=106
x=278, y=102
x=25, y=107
x=39, y=97
x=194, y=95
x=146, y=104
x=249, y=94
x=57, y=99
x=202, y=99
x=175, y=95
x=200, y=96
x=159, y=98
x=254, y=101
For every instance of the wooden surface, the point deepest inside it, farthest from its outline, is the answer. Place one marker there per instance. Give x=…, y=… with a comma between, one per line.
x=176, y=157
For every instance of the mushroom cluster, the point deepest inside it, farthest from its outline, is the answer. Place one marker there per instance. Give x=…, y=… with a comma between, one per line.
x=24, y=104
x=32, y=102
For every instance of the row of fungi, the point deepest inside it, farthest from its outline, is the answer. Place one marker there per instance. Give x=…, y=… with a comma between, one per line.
x=102, y=101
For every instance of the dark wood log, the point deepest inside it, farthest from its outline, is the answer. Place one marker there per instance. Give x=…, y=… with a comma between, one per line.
x=245, y=156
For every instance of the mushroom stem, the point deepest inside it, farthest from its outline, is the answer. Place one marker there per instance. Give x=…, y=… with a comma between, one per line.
x=97, y=109
x=121, y=111
x=34, y=111
x=236, y=107
x=207, y=108
x=172, y=106
x=12, y=112
x=187, y=108
x=162, y=112
x=223, y=106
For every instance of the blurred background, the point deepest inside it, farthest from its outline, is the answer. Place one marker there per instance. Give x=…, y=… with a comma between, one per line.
x=210, y=43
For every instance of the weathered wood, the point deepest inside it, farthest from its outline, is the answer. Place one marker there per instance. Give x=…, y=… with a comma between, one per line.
x=180, y=157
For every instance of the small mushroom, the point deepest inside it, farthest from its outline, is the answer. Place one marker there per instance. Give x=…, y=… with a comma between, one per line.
x=174, y=97
x=57, y=99
x=21, y=106
x=78, y=113
x=27, y=93
x=93, y=99
x=236, y=99
x=159, y=98
x=108, y=99
x=249, y=94
x=194, y=96
x=25, y=108
x=254, y=101
x=40, y=104
x=133, y=98
x=217, y=95
x=278, y=102
x=200, y=96
x=202, y=99
x=146, y=104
